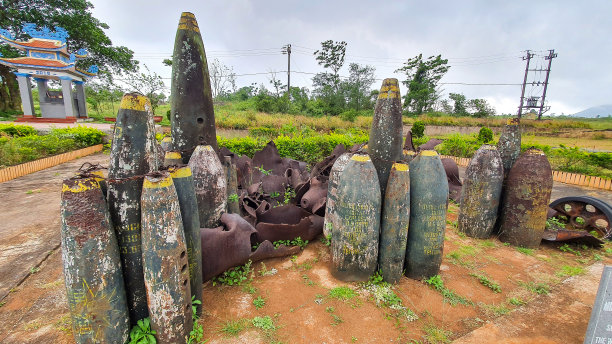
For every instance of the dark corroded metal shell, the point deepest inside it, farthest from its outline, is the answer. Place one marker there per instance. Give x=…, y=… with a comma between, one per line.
x=166, y=144
x=509, y=144
x=394, y=223
x=428, y=202
x=481, y=193
x=385, y=145
x=332, y=193
x=231, y=177
x=193, y=115
x=183, y=183
x=355, y=239
x=210, y=185
x=528, y=189
x=172, y=159
x=408, y=155
x=92, y=267
x=133, y=154
x=165, y=261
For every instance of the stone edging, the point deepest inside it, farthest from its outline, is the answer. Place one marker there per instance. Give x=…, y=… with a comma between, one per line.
x=20, y=170
x=558, y=176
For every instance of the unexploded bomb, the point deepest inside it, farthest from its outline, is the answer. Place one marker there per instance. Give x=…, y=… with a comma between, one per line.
x=192, y=112
x=395, y=219
x=525, y=204
x=210, y=185
x=332, y=193
x=133, y=154
x=165, y=260
x=428, y=202
x=355, y=239
x=481, y=192
x=385, y=144
x=92, y=267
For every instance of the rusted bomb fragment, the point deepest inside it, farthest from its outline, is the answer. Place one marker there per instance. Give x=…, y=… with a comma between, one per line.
x=315, y=196
x=97, y=171
x=481, y=193
x=509, y=144
x=428, y=202
x=429, y=145
x=172, y=159
x=355, y=240
x=92, y=267
x=165, y=260
x=408, y=144
x=232, y=185
x=210, y=185
x=185, y=191
x=394, y=224
x=385, y=144
x=528, y=189
x=133, y=154
x=452, y=177
x=193, y=115
x=332, y=193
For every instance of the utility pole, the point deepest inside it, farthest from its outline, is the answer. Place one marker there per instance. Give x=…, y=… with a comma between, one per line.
x=551, y=55
x=534, y=102
x=287, y=50
x=528, y=58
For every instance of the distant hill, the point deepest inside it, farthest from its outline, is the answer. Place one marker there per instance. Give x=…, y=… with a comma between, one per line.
x=593, y=112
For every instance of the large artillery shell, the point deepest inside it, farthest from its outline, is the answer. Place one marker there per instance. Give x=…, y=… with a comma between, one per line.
x=210, y=185
x=355, y=239
x=332, y=193
x=185, y=190
x=193, y=116
x=165, y=261
x=509, y=144
x=232, y=185
x=428, y=202
x=133, y=153
x=385, y=145
x=394, y=224
x=172, y=159
x=408, y=155
x=92, y=267
x=526, y=198
x=166, y=144
x=481, y=192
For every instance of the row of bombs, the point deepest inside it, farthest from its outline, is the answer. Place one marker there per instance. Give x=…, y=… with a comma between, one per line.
x=390, y=215
x=131, y=243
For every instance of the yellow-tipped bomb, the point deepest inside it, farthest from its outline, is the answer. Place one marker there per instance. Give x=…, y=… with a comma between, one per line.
x=192, y=112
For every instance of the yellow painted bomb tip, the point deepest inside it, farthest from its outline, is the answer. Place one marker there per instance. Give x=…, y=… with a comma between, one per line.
x=398, y=166
x=408, y=152
x=172, y=155
x=81, y=186
x=135, y=101
x=534, y=151
x=362, y=158
x=156, y=182
x=187, y=14
x=512, y=121
x=167, y=139
x=188, y=22
x=180, y=172
x=203, y=147
x=429, y=153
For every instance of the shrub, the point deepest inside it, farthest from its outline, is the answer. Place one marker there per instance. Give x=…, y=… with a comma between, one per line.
x=83, y=136
x=418, y=129
x=459, y=145
x=485, y=135
x=13, y=130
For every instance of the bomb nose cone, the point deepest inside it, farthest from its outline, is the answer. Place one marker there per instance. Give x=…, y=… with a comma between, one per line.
x=135, y=101
x=389, y=89
x=188, y=22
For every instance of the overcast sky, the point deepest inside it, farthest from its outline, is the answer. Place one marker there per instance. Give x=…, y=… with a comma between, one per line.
x=483, y=41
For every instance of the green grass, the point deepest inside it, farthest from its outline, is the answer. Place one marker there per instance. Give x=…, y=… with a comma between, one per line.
x=342, y=293
x=437, y=335
x=568, y=271
x=234, y=327
x=539, y=288
x=487, y=282
x=449, y=295
x=259, y=302
x=527, y=251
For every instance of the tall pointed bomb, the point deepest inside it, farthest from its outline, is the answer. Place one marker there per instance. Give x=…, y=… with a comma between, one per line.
x=385, y=145
x=193, y=116
x=133, y=154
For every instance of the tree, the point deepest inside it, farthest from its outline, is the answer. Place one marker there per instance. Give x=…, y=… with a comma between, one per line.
x=422, y=77
x=481, y=108
x=460, y=104
x=331, y=56
x=222, y=79
x=149, y=84
x=358, y=86
x=84, y=31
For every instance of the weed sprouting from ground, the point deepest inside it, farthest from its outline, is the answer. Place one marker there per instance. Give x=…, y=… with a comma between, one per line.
x=568, y=248
x=516, y=301
x=235, y=276
x=527, y=251
x=259, y=302
x=436, y=335
x=487, y=282
x=342, y=293
x=264, y=323
x=234, y=327
x=569, y=271
x=539, y=288
x=449, y=295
